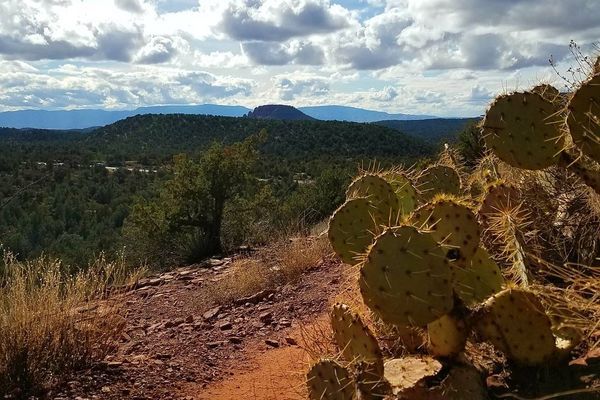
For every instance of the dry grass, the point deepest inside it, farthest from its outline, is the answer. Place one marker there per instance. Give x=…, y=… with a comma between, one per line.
x=272, y=266
x=52, y=323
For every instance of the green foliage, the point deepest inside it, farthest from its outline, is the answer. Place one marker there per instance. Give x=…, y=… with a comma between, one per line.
x=471, y=145
x=184, y=221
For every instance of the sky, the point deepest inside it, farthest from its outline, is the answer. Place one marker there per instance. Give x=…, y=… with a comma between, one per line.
x=437, y=57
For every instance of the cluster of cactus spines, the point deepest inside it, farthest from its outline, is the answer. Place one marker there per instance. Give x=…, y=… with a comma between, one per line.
x=476, y=278
x=499, y=197
x=515, y=321
x=583, y=117
x=405, y=278
x=352, y=228
x=438, y=179
x=355, y=340
x=548, y=92
x=452, y=224
x=447, y=335
x=327, y=379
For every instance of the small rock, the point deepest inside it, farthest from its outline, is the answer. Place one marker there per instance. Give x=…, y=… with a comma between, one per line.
x=285, y=322
x=225, y=326
x=212, y=345
x=235, y=339
x=213, y=312
x=291, y=341
x=266, y=317
x=189, y=319
x=272, y=343
x=173, y=323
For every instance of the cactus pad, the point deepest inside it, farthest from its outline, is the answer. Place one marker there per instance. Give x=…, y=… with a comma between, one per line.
x=328, y=380
x=354, y=338
x=451, y=224
x=379, y=193
x=515, y=322
x=438, y=179
x=447, y=336
x=410, y=372
x=352, y=228
x=523, y=130
x=583, y=118
x=405, y=278
x=476, y=278
x=404, y=189
x=463, y=382
x=499, y=197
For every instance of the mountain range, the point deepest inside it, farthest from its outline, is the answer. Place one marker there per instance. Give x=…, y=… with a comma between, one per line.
x=86, y=118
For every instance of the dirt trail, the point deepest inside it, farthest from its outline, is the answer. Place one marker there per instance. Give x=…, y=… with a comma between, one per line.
x=176, y=347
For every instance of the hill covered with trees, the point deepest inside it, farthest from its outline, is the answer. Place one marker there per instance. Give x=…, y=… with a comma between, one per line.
x=69, y=193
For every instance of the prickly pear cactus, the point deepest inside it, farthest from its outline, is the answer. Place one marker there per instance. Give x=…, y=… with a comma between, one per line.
x=583, y=117
x=515, y=322
x=379, y=193
x=328, y=380
x=405, y=278
x=370, y=382
x=405, y=191
x=463, y=382
x=523, y=130
x=352, y=228
x=436, y=180
x=476, y=278
x=355, y=340
x=451, y=224
x=447, y=335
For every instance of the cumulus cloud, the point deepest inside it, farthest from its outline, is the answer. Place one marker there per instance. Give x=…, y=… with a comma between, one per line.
x=295, y=52
x=289, y=88
x=73, y=86
x=158, y=50
x=280, y=20
x=388, y=93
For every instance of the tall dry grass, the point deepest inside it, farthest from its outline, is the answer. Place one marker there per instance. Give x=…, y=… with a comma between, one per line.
x=281, y=262
x=52, y=323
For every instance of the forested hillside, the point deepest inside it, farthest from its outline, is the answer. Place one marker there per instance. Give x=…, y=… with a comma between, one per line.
x=68, y=193
x=432, y=130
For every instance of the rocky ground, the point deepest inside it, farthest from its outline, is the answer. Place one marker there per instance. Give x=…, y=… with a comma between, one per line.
x=176, y=346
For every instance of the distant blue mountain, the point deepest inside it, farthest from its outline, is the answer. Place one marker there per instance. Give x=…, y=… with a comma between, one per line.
x=352, y=114
x=80, y=119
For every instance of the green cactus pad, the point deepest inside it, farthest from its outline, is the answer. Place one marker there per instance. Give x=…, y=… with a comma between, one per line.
x=355, y=340
x=476, y=278
x=328, y=380
x=379, y=193
x=352, y=228
x=447, y=336
x=451, y=224
x=405, y=278
x=583, y=118
x=437, y=180
x=515, y=322
x=523, y=130
x=409, y=373
x=405, y=191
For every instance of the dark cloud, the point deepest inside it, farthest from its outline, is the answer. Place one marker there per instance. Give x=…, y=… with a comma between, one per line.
x=158, y=50
x=133, y=6
x=249, y=21
x=271, y=53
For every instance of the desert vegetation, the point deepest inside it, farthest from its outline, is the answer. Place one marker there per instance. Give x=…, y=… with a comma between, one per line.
x=495, y=243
